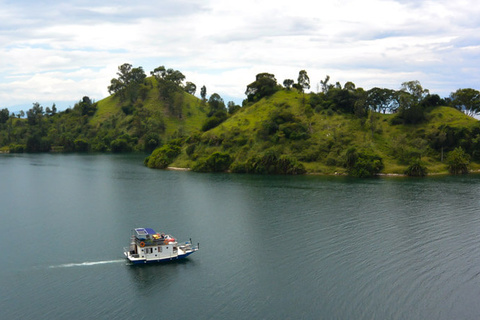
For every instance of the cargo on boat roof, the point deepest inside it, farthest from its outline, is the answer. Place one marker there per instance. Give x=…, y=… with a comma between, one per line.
x=143, y=233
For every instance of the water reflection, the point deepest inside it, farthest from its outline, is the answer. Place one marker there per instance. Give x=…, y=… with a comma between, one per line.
x=271, y=247
x=152, y=277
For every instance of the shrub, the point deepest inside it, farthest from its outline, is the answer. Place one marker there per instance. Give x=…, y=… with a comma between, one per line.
x=238, y=167
x=17, y=148
x=458, y=161
x=190, y=149
x=331, y=162
x=211, y=123
x=295, y=131
x=128, y=109
x=81, y=145
x=151, y=142
x=270, y=163
x=289, y=165
x=216, y=162
x=163, y=156
x=287, y=123
x=362, y=164
x=38, y=144
x=120, y=145
x=416, y=169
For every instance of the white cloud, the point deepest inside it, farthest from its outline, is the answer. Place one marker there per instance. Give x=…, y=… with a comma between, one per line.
x=64, y=51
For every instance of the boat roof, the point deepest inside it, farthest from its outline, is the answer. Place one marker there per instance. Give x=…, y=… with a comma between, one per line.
x=145, y=231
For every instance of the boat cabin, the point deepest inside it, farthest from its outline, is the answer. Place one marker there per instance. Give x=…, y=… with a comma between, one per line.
x=147, y=244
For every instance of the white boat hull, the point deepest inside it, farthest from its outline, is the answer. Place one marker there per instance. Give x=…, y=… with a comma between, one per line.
x=137, y=259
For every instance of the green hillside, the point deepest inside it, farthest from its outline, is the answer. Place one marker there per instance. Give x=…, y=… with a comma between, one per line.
x=278, y=130
x=142, y=121
x=286, y=125
x=153, y=107
x=151, y=115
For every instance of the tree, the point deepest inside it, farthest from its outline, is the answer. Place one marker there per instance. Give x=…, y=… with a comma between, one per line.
x=120, y=145
x=416, y=169
x=287, y=83
x=415, y=89
x=264, y=85
x=35, y=114
x=136, y=76
x=158, y=72
x=126, y=85
x=51, y=111
x=232, y=107
x=161, y=73
x=170, y=86
x=190, y=87
x=4, y=115
x=349, y=86
x=432, y=100
x=343, y=100
x=410, y=107
x=216, y=162
x=216, y=103
x=123, y=72
x=203, y=93
x=467, y=100
x=174, y=76
x=115, y=86
x=303, y=80
x=410, y=112
x=381, y=99
x=362, y=164
x=325, y=85
x=86, y=106
x=36, y=143
x=458, y=161
x=163, y=156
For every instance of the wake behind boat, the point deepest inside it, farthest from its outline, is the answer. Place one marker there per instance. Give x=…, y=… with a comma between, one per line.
x=148, y=246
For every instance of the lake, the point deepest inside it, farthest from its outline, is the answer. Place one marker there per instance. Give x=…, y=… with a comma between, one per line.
x=271, y=247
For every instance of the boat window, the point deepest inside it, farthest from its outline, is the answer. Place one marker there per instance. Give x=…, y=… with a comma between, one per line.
x=159, y=249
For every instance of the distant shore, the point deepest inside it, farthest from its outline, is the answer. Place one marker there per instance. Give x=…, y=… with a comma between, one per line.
x=345, y=175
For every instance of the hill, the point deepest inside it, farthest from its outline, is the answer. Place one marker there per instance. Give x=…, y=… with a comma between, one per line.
x=282, y=133
x=279, y=129
x=114, y=124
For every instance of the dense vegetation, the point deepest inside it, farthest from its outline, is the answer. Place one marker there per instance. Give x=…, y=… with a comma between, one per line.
x=278, y=129
x=141, y=114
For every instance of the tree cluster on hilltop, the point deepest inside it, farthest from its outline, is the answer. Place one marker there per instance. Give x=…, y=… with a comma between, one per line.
x=279, y=128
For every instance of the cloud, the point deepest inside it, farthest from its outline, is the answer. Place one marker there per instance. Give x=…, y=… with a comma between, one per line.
x=63, y=51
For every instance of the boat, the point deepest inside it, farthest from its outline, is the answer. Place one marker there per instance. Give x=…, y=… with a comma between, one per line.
x=148, y=246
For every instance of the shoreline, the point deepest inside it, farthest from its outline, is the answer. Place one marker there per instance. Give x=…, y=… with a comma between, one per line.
x=178, y=169
x=381, y=175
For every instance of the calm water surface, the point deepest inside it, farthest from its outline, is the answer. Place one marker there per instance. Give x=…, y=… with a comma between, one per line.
x=270, y=247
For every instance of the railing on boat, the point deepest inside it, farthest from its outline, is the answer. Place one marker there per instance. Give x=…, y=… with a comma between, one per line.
x=185, y=246
x=151, y=242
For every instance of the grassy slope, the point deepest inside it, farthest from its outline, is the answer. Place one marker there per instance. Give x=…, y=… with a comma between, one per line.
x=193, y=115
x=330, y=135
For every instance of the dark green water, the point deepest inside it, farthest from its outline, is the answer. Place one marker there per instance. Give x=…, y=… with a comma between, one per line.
x=270, y=247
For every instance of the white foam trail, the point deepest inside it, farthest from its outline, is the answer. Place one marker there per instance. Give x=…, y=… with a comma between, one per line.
x=82, y=264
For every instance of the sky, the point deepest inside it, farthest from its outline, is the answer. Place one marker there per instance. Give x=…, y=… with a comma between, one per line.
x=59, y=51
